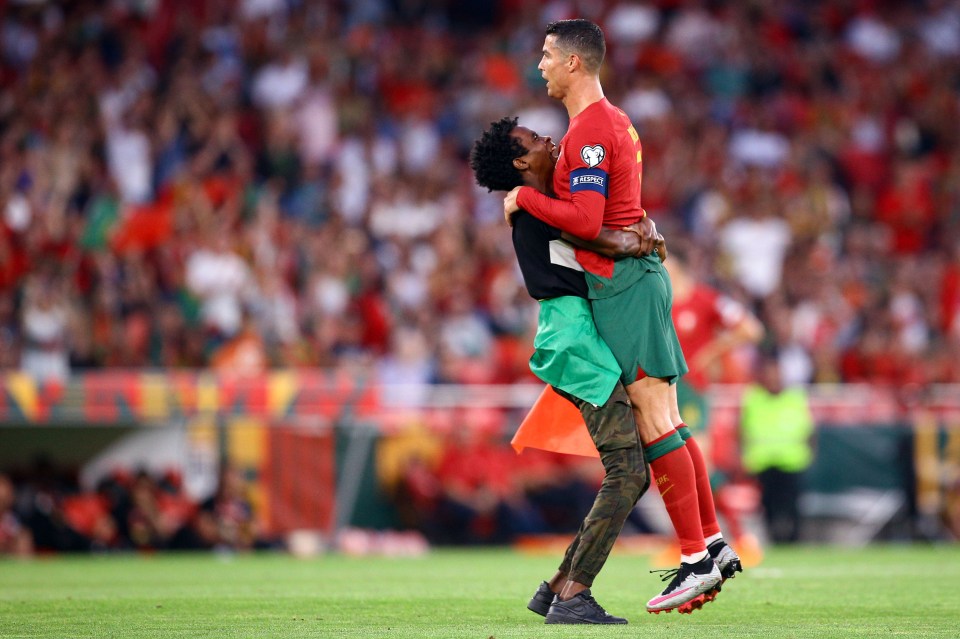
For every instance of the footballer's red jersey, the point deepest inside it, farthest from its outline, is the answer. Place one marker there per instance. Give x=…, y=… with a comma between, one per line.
x=698, y=319
x=597, y=180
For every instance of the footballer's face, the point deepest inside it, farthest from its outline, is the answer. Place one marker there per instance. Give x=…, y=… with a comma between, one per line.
x=538, y=162
x=553, y=67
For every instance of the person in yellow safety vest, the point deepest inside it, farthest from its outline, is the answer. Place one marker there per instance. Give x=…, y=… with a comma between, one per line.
x=776, y=432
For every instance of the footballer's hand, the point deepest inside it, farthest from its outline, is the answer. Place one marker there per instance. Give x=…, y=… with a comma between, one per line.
x=510, y=205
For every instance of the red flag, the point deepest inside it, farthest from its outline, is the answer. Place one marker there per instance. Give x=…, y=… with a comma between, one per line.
x=144, y=227
x=554, y=424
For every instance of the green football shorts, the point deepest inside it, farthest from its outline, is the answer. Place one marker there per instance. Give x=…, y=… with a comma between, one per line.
x=636, y=324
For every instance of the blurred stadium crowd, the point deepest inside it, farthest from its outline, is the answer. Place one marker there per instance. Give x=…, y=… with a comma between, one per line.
x=247, y=184
x=254, y=183
x=462, y=488
x=128, y=511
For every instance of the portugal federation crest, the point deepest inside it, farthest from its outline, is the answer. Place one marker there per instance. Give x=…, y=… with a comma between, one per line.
x=593, y=155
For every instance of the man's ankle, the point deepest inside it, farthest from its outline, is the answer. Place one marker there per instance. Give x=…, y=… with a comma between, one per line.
x=571, y=590
x=558, y=583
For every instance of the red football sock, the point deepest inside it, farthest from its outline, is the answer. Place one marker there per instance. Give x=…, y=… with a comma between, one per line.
x=675, y=479
x=708, y=512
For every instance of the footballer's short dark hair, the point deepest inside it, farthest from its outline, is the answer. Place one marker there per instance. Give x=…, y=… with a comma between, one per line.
x=581, y=37
x=493, y=154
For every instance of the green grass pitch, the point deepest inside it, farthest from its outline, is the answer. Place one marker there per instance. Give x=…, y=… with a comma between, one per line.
x=881, y=591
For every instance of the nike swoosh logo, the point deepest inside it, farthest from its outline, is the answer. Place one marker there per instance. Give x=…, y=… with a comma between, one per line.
x=671, y=595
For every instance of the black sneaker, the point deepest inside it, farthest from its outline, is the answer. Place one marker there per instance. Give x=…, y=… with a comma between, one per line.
x=542, y=598
x=726, y=558
x=582, y=608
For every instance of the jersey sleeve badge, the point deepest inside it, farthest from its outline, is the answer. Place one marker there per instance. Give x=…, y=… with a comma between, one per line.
x=593, y=155
x=590, y=178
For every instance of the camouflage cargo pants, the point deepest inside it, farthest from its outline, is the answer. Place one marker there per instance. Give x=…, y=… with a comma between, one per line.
x=615, y=435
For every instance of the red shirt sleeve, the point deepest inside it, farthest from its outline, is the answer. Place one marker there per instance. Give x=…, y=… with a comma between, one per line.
x=581, y=180
x=582, y=216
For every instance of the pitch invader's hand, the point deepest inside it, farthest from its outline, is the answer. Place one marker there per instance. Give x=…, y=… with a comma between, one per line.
x=650, y=240
x=661, y=248
x=510, y=205
x=648, y=235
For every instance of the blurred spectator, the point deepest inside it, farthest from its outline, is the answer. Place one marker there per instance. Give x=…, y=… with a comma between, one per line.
x=279, y=83
x=15, y=538
x=88, y=515
x=561, y=488
x=243, y=354
x=227, y=520
x=220, y=279
x=776, y=429
x=756, y=244
x=149, y=524
x=44, y=353
x=406, y=460
x=41, y=505
x=480, y=496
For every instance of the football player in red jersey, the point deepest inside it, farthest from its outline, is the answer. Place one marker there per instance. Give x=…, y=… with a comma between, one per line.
x=597, y=183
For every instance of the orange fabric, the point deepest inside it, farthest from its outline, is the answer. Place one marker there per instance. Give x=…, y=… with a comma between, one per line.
x=556, y=425
x=243, y=355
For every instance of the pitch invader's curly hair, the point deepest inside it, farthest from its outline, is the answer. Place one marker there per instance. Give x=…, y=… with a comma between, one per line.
x=493, y=154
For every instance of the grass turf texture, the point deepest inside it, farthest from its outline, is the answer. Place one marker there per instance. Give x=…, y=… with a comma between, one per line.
x=883, y=591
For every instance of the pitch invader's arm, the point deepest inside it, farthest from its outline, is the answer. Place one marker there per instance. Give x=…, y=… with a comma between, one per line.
x=637, y=239
x=631, y=241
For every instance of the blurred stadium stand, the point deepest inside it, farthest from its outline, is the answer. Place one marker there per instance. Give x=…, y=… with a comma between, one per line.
x=328, y=453
x=189, y=187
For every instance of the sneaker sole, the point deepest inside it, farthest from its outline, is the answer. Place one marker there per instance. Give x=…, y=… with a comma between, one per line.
x=534, y=606
x=730, y=570
x=571, y=621
x=688, y=607
x=568, y=622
